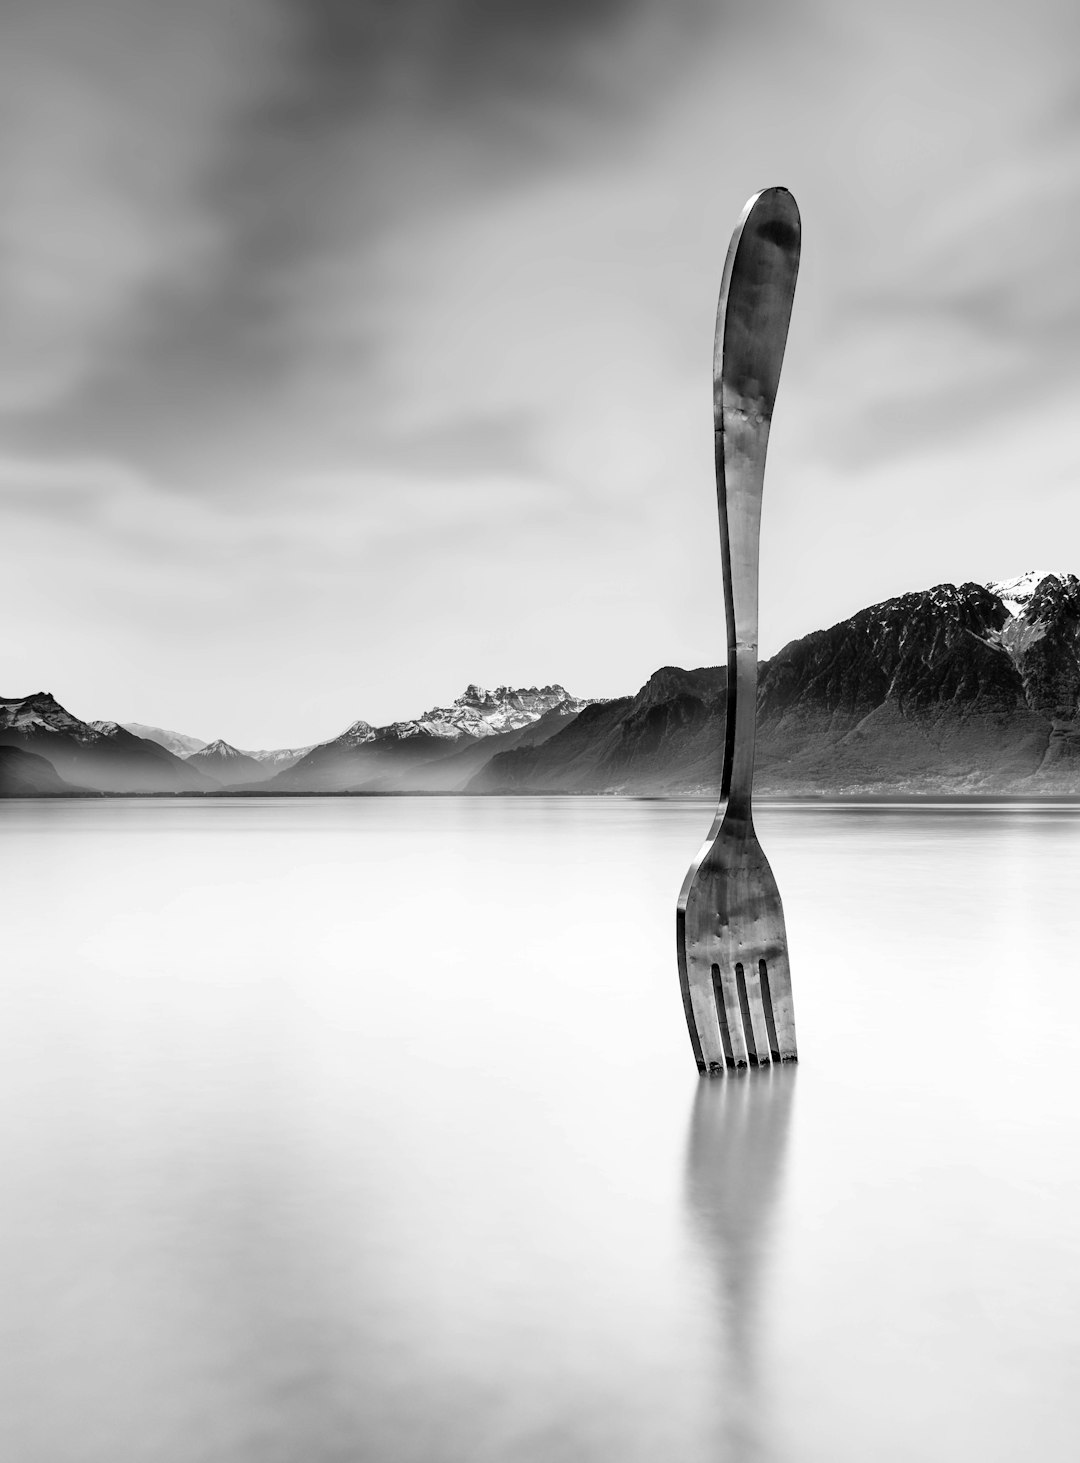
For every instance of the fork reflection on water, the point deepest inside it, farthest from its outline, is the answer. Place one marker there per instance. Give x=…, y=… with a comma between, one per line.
x=734, y=1162
x=343, y=1129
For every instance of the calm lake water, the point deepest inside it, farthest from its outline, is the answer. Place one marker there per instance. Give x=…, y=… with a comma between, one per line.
x=368, y=1130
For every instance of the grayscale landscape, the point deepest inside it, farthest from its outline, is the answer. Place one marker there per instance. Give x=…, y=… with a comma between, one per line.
x=364, y=703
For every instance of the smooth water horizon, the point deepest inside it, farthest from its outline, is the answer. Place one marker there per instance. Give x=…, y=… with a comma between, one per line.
x=368, y=1128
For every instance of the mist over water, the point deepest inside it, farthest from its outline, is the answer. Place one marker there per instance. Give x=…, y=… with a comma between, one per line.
x=369, y=1128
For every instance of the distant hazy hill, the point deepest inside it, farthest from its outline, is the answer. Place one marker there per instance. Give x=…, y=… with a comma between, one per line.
x=277, y=758
x=26, y=775
x=99, y=755
x=226, y=765
x=969, y=688
x=178, y=743
x=182, y=745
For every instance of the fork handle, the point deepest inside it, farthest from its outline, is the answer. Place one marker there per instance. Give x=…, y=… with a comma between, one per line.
x=751, y=333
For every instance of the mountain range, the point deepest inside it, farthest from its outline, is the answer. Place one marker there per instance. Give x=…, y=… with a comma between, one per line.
x=962, y=689
x=60, y=754
x=184, y=746
x=957, y=688
x=98, y=756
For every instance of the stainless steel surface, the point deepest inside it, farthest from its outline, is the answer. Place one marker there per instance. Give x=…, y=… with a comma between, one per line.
x=732, y=943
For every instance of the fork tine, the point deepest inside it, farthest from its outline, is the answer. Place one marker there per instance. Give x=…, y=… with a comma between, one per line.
x=728, y=985
x=722, y=1015
x=710, y=1038
x=767, y=1007
x=778, y=982
x=755, y=1010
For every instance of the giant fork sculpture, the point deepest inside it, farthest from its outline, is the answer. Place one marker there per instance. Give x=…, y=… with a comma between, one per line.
x=733, y=962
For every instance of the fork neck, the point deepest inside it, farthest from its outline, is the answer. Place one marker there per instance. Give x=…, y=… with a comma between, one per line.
x=741, y=442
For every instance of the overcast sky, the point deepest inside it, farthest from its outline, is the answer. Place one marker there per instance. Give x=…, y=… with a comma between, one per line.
x=352, y=350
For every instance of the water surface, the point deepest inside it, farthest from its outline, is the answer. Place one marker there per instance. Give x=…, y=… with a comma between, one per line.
x=350, y=1129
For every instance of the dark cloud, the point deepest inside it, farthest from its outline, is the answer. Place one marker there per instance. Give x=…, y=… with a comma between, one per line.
x=448, y=55
x=380, y=116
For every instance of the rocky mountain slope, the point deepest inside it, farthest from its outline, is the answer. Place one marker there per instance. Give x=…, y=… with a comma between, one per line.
x=969, y=688
x=663, y=739
x=101, y=755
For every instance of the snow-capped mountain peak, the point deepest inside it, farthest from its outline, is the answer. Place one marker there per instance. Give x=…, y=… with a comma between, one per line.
x=106, y=728
x=357, y=734
x=1014, y=594
x=222, y=752
x=218, y=748
x=482, y=713
x=41, y=712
